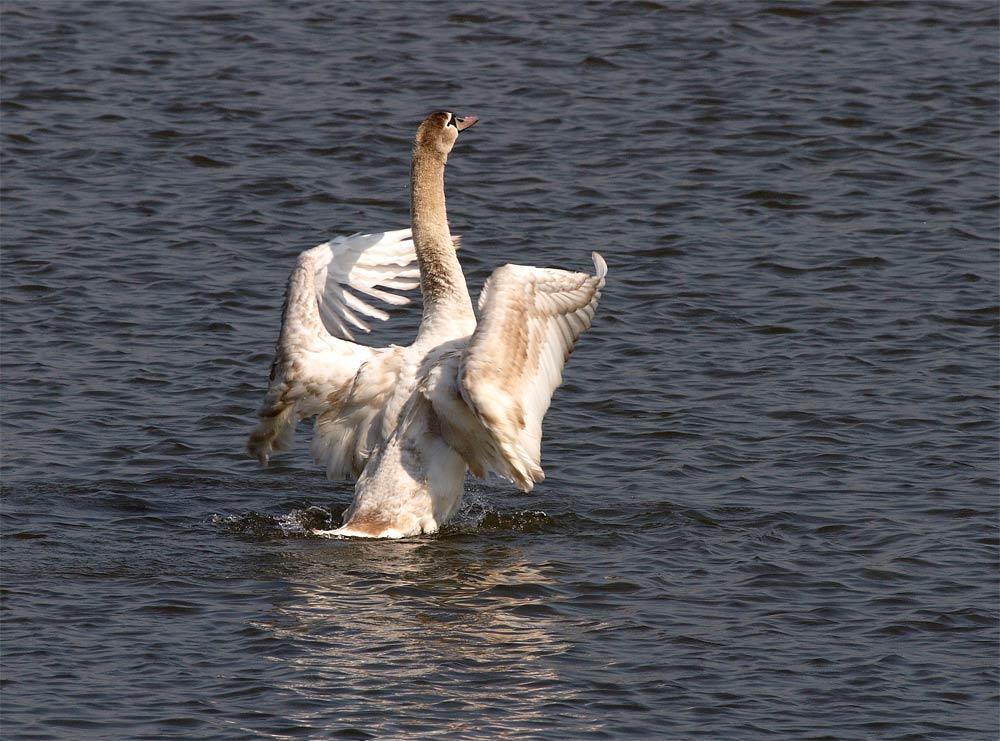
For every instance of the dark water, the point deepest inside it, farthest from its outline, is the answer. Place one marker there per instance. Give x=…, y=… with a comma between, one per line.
x=771, y=503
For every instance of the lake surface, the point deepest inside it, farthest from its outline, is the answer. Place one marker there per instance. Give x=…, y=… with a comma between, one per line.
x=771, y=497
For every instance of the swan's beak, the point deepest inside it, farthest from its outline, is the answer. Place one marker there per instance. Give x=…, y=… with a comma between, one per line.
x=464, y=123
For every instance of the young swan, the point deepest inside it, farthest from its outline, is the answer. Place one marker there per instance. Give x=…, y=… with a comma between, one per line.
x=408, y=422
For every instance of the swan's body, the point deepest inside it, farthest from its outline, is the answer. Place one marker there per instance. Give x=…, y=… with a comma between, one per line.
x=407, y=422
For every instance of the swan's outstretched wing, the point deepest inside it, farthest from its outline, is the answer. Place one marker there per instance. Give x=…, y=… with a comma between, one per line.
x=490, y=399
x=315, y=362
x=366, y=264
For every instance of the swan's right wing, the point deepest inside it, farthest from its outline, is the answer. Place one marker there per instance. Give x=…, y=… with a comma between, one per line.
x=490, y=398
x=316, y=364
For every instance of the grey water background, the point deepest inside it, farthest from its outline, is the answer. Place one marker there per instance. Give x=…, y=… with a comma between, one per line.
x=771, y=503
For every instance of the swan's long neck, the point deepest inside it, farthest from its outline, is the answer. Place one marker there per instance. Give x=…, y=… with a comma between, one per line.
x=447, y=306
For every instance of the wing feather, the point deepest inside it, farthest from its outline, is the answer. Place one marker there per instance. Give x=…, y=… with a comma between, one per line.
x=531, y=320
x=318, y=370
x=362, y=263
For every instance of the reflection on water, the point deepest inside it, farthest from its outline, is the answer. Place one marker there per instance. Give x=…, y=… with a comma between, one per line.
x=380, y=620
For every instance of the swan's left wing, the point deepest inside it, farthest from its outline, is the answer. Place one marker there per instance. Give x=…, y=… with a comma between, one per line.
x=362, y=264
x=490, y=399
x=317, y=365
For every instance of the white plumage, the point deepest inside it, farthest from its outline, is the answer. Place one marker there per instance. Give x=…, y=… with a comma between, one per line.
x=316, y=362
x=407, y=422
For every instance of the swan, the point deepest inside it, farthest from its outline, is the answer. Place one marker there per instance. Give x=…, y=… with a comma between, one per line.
x=407, y=422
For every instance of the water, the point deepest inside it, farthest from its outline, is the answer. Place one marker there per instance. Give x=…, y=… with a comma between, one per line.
x=772, y=471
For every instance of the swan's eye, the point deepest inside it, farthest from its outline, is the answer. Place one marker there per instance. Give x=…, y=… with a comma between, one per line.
x=452, y=121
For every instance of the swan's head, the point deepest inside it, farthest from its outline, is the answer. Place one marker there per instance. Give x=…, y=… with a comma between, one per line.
x=439, y=132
